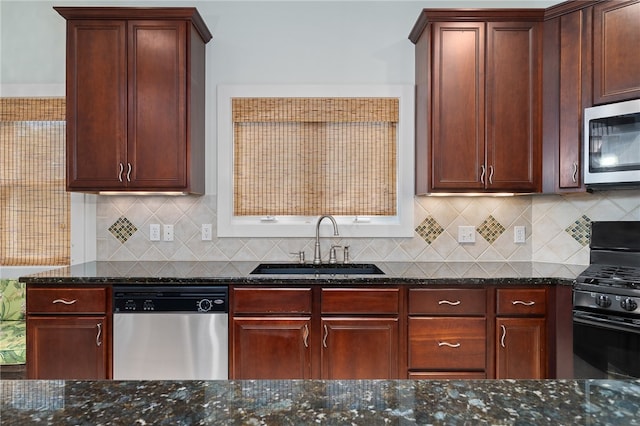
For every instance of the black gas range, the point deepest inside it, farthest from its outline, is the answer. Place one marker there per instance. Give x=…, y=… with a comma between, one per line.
x=611, y=283
x=606, y=304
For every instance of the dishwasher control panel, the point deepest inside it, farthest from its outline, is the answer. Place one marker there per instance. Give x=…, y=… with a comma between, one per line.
x=149, y=299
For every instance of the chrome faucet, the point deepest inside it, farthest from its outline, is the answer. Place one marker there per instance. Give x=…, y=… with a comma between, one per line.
x=317, y=258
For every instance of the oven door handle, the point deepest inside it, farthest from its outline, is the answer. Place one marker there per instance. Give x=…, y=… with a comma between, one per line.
x=604, y=323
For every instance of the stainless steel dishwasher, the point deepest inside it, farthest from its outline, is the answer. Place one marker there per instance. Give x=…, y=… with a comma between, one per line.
x=170, y=332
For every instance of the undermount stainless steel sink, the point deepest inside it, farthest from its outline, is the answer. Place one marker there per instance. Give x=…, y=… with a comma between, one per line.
x=324, y=269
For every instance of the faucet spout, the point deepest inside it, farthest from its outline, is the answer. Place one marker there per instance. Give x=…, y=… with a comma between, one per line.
x=317, y=258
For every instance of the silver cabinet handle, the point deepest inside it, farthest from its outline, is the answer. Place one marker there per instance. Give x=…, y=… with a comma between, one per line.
x=120, y=172
x=324, y=338
x=574, y=177
x=448, y=302
x=504, y=334
x=520, y=302
x=65, y=301
x=128, y=172
x=305, y=336
x=99, y=335
x=449, y=345
x=490, y=175
x=482, y=174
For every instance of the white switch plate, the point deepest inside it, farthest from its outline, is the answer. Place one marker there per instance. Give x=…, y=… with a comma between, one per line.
x=154, y=232
x=519, y=234
x=466, y=234
x=168, y=233
x=207, y=230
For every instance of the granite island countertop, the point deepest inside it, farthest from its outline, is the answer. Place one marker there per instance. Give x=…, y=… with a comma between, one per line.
x=297, y=402
x=237, y=273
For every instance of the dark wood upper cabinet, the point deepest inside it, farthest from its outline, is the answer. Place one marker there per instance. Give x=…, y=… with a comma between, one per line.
x=478, y=98
x=135, y=99
x=616, y=61
x=567, y=86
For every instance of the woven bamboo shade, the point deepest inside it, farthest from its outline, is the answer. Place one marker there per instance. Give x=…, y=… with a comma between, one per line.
x=34, y=207
x=311, y=156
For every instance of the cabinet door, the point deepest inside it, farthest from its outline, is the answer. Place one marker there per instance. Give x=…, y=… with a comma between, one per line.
x=514, y=77
x=96, y=104
x=157, y=104
x=616, y=37
x=359, y=348
x=271, y=348
x=520, y=348
x=67, y=347
x=458, y=126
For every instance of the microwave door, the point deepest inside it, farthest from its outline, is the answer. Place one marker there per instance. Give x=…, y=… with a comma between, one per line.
x=612, y=151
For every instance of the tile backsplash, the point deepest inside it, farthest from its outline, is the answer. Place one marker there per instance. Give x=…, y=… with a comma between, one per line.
x=557, y=230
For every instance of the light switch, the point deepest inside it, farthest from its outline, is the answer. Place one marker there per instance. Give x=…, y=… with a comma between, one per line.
x=154, y=232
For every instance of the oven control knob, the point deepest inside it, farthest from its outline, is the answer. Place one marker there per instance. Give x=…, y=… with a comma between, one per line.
x=204, y=305
x=603, y=301
x=628, y=304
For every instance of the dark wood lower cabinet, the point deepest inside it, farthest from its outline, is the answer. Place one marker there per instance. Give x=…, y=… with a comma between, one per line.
x=360, y=348
x=68, y=347
x=306, y=333
x=271, y=348
x=521, y=348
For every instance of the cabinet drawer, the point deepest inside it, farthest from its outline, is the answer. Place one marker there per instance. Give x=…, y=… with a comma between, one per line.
x=86, y=300
x=446, y=343
x=271, y=300
x=528, y=301
x=360, y=301
x=459, y=301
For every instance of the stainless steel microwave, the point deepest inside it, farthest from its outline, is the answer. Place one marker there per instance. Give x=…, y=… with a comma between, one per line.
x=612, y=144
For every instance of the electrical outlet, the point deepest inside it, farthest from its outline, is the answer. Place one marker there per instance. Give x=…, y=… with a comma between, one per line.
x=154, y=232
x=519, y=234
x=206, y=232
x=466, y=234
x=168, y=233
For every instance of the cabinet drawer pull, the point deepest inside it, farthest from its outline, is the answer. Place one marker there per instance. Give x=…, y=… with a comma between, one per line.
x=128, y=172
x=490, y=175
x=99, y=335
x=324, y=338
x=449, y=345
x=575, y=172
x=65, y=301
x=120, y=172
x=482, y=174
x=504, y=334
x=305, y=336
x=448, y=302
x=520, y=302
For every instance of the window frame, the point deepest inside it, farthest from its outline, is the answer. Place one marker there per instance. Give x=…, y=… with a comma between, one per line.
x=400, y=225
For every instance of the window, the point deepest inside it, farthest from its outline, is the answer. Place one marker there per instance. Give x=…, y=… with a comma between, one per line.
x=34, y=207
x=290, y=154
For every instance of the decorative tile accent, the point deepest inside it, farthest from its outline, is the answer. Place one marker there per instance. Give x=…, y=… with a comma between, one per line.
x=429, y=229
x=122, y=229
x=580, y=230
x=490, y=229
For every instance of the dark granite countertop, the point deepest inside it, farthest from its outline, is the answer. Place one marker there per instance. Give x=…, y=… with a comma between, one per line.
x=214, y=273
x=291, y=402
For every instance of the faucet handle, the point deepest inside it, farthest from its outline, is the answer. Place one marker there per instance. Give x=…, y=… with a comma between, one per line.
x=299, y=255
x=332, y=254
x=346, y=254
